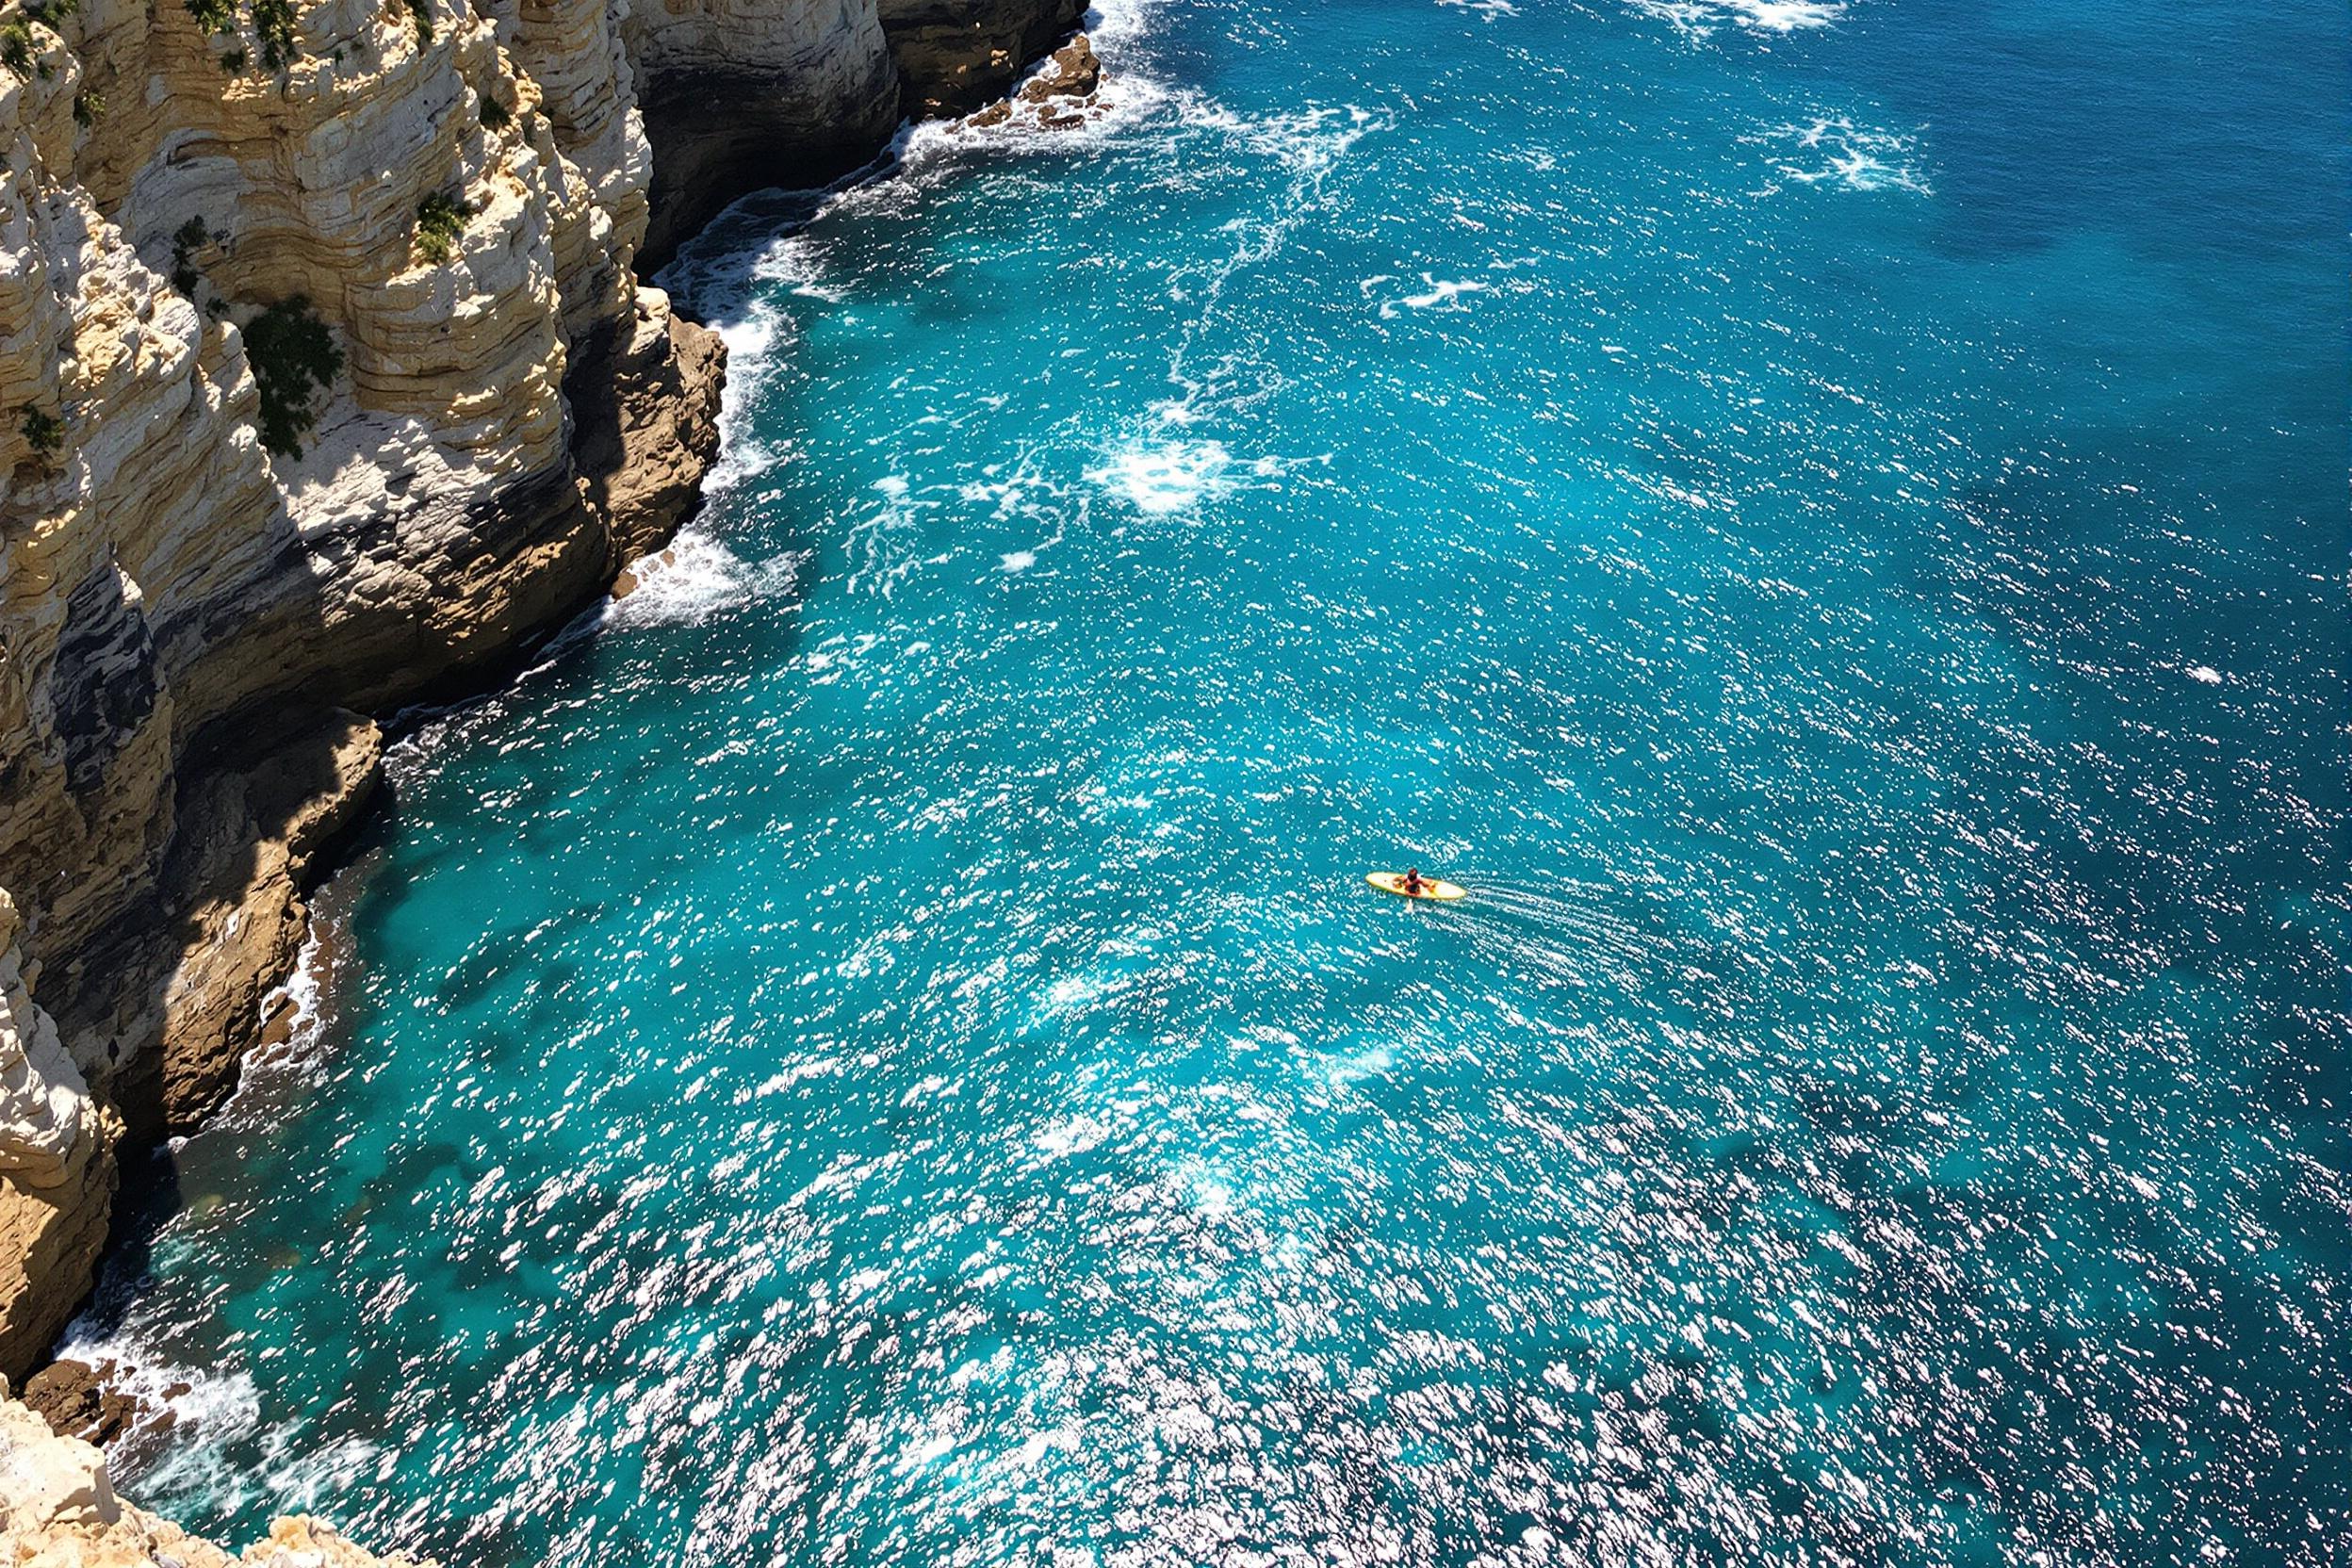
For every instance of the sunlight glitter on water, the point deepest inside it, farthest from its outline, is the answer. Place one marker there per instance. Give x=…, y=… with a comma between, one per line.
x=879, y=1049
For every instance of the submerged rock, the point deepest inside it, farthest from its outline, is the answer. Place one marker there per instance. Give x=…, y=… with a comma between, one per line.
x=1062, y=86
x=88, y=1402
x=954, y=55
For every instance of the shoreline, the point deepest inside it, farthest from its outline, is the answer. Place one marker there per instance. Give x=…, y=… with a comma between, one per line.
x=306, y=899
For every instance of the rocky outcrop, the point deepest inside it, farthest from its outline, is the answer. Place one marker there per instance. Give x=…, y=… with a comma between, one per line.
x=954, y=55
x=57, y=1167
x=645, y=407
x=58, y=1508
x=77, y=1399
x=253, y=836
x=1060, y=95
x=51, y=1238
x=44, y=1102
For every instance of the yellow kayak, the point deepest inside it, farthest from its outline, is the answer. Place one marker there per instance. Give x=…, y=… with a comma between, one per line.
x=1393, y=882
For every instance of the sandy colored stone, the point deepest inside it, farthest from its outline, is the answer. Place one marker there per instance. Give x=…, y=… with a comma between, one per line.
x=43, y=1097
x=1070, y=71
x=647, y=411
x=91, y=1402
x=58, y=1508
x=50, y=1241
x=250, y=837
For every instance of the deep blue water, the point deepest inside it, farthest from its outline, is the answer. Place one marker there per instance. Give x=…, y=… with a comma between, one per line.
x=1833, y=523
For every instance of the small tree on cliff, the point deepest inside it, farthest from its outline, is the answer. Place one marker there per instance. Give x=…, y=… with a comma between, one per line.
x=293, y=355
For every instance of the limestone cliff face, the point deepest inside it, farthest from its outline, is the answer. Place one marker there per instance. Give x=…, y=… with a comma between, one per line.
x=56, y=1162
x=58, y=1508
x=325, y=383
x=290, y=301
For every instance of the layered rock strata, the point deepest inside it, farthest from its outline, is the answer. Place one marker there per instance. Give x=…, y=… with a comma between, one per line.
x=58, y=1508
x=326, y=383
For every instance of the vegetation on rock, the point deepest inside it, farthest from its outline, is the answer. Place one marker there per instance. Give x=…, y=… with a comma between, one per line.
x=293, y=355
x=495, y=115
x=16, y=46
x=273, y=25
x=422, y=10
x=273, y=30
x=440, y=221
x=43, y=432
x=186, y=240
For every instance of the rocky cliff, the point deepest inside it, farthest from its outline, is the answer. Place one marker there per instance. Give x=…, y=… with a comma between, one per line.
x=291, y=296
x=326, y=381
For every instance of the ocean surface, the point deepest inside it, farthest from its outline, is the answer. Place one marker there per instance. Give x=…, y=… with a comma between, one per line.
x=1831, y=521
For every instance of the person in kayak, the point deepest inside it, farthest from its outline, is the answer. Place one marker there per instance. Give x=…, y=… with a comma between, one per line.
x=1414, y=883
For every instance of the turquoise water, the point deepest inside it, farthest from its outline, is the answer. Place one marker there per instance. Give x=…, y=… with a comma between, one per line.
x=1832, y=523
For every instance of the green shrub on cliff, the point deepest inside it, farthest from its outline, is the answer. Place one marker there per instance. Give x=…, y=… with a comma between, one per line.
x=273, y=25
x=273, y=29
x=440, y=221
x=187, y=240
x=421, y=12
x=293, y=355
x=495, y=115
x=16, y=46
x=43, y=432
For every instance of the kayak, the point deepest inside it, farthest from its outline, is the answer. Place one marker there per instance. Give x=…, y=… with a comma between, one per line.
x=1393, y=882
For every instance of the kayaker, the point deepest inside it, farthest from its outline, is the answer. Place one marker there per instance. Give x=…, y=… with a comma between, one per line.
x=1413, y=884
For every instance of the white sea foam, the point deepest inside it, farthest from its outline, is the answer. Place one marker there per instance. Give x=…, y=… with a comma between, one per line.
x=187, y=1415
x=1171, y=477
x=1832, y=150
x=1441, y=294
x=887, y=544
x=1310, y=144
x=1374, y=1061
x=1072, y=1135
x=694, y=577
x=1701, y=18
